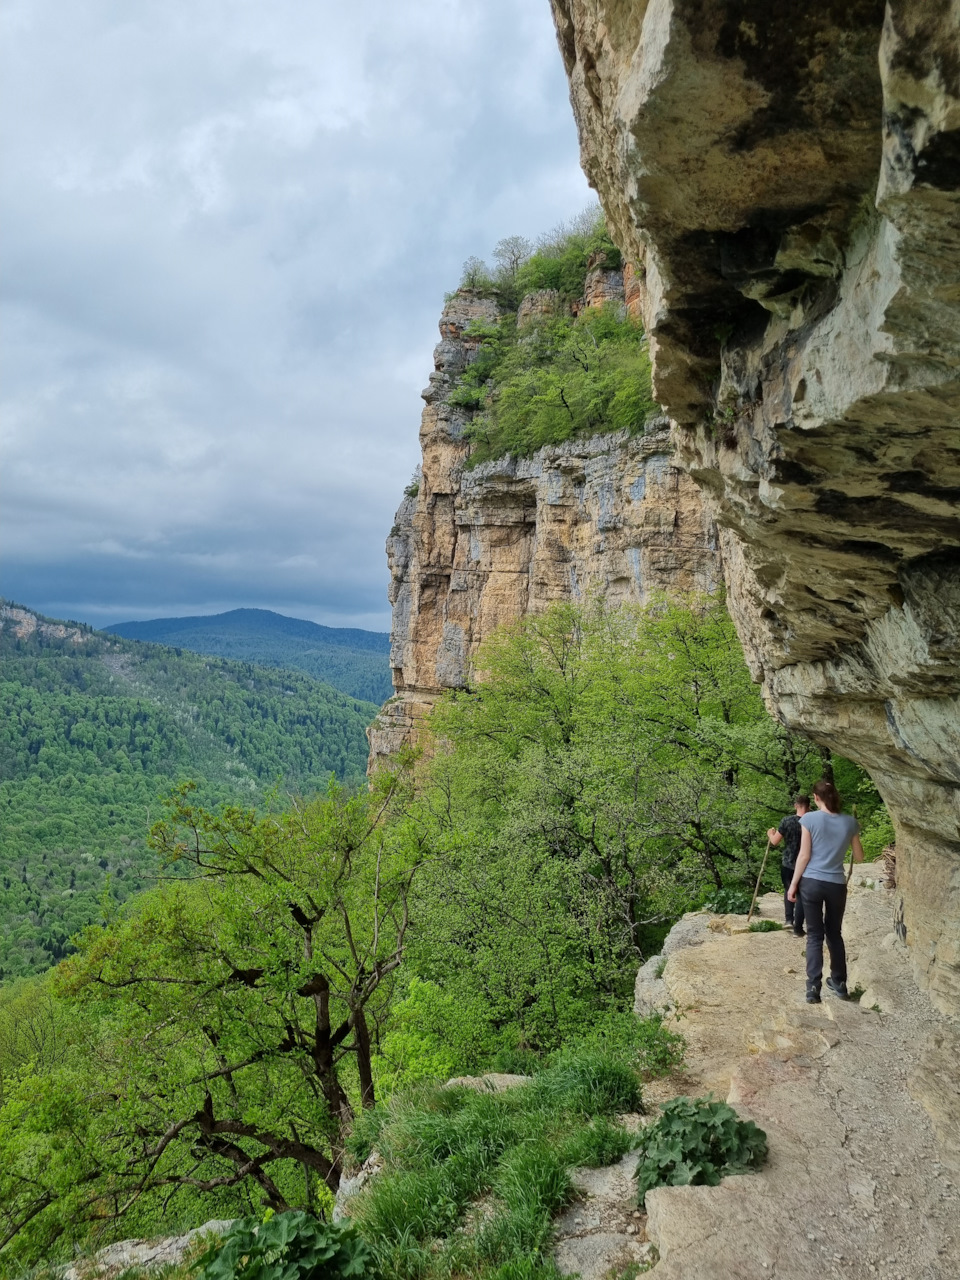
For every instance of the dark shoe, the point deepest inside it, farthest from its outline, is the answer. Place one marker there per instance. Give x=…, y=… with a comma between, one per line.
x=813, y=995
x=839, y=989
x=799, y=933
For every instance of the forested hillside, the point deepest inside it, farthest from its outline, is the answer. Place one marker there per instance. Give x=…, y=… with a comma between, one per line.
x=354, y=661
x=482, y=907
x=97, y=728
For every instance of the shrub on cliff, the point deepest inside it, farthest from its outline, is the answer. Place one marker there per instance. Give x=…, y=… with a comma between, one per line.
x=562, y=379
x=560, y=260
x=562, y=257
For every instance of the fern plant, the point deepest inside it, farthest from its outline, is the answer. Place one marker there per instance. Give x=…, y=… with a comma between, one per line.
x=697, y=1142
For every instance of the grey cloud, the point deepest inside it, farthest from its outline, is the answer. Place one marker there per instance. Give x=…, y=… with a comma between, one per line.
x=228, y=236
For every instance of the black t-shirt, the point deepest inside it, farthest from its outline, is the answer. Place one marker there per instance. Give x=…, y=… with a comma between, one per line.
x=790, y=829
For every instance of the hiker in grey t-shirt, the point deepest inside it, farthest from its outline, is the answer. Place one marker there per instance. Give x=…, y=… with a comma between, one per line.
x=822, y=885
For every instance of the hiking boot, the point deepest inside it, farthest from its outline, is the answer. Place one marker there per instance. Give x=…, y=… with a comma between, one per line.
x=839, y=989
x=813, y=994
x=799, y=933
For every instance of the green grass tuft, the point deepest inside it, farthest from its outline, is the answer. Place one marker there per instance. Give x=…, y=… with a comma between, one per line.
x=473, y=1180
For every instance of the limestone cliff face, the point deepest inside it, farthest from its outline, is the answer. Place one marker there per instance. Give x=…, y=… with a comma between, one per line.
x=787, y=180
x=24, y=623
x=472, y=549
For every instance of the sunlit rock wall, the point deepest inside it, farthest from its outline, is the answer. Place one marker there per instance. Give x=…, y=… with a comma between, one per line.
x=472, y=549
x=786, y=179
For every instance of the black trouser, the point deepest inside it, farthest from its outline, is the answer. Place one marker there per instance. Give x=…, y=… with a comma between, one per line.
x=823, y=906
x=792, y=910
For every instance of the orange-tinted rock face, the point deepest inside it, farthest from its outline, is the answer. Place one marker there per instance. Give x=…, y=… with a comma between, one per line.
x=632, y=295
x=474, y=549
x=540, y=305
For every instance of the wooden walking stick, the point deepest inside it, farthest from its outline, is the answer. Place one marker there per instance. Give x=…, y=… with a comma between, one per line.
x=756, y=891
x=850, y=868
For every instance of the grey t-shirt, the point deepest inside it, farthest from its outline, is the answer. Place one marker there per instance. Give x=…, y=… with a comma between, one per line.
x=830, y=834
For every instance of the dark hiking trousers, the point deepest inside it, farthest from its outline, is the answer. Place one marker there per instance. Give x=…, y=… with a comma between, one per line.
x=793, y=911
x=823, y=905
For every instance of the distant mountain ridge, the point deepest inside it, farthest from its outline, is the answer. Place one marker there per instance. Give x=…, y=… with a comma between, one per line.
x=97, y=728
x=352, y=660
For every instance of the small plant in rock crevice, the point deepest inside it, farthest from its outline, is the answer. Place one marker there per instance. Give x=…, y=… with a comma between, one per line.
x=765, y=926
x=697, y=1142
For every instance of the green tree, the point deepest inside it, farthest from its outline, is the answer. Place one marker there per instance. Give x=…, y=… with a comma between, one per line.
x=226, y=1025
x=609, y=767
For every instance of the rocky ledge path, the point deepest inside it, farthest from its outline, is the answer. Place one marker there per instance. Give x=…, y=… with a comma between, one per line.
x=860, y=1102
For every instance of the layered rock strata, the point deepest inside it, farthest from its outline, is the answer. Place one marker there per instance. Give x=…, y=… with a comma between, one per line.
x=472, y=549
x=787, y=180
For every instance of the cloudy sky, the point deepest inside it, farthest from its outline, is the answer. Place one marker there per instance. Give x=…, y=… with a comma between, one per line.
x=228, y=226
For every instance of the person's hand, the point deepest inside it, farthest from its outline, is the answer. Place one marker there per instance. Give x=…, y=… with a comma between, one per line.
x=792, y=893
x=771, y=832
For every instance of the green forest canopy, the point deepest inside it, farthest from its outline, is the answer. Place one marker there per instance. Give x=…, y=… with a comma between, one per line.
x=208, y=1049
x=97, y=729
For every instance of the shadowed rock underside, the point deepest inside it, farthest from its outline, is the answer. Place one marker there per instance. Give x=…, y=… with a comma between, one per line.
x=786, y=179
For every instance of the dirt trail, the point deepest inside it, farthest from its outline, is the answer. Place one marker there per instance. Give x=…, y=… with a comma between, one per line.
x=861, y=1181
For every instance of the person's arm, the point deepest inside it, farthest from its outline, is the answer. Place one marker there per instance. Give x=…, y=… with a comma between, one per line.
x=803, y=857
x=774, y=836
x=857, y=849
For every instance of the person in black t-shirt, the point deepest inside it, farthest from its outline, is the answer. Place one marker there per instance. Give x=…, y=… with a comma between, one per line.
x=788, y=833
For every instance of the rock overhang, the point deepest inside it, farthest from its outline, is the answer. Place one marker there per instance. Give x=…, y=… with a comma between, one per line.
x=785, y=180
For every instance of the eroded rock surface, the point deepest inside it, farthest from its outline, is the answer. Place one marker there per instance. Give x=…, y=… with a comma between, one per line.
x=473, y=549
x=786, y=180
x=864, y=1163
x=146, y=1255
x=600, y=1235
x=23, y=623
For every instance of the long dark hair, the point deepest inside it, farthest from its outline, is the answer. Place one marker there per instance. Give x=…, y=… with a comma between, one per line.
x=825, y=790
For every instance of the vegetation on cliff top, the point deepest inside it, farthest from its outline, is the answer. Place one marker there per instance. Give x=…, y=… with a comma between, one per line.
x=560, y=376
x=559, y=260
